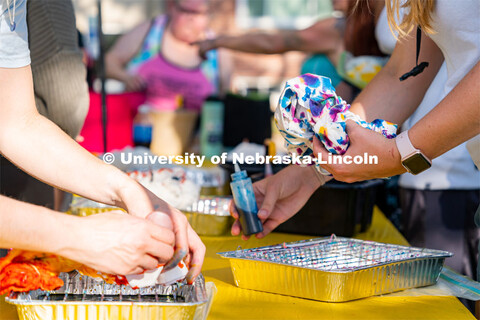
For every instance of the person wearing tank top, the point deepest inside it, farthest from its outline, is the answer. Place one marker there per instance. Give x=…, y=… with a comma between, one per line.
x=438, y=203
x=159, y=57
x=449, y=36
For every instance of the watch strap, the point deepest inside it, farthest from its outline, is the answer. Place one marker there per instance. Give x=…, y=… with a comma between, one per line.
x=404, y=145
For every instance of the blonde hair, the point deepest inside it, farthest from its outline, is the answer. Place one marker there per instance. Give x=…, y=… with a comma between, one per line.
x=419, y=12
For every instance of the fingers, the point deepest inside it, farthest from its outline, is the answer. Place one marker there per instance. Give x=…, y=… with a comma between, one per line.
x=236, y=228
x=180, y=226
x=268, y=227
x=137, y=270
x=161, y=234
x=269, y=200
x=233, y=210
x=159, y=250
x=147, y=262
x=352, y=129
x=197, y=250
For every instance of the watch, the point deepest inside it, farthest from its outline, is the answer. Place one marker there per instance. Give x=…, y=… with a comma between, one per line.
x=412, y=159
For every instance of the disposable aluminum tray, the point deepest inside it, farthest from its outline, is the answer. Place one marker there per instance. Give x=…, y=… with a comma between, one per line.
x=210, y=216
x=85, y=298
x=335, y=269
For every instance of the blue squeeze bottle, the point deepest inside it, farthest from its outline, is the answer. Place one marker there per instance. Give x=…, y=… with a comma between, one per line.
x=245, y=202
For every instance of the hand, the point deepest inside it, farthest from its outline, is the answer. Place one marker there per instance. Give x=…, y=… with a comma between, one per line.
x=139, y=201
x=118, y=243
x=134, y=83
x=363, y=141
x=188, y=245
x=280, y=196
x=204, y=46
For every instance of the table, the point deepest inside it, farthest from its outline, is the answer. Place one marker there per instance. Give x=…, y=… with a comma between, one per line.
x=234, y=303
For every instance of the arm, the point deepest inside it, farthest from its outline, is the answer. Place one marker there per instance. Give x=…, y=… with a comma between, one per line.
x=40, y=148
x=387, y=97
x=453, y=121
x=112, y=242
x=122, y=52
x=225, y=70
x=322, y=37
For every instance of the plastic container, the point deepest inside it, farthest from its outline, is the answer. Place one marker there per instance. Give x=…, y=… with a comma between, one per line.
x=142, y=127
x=211, y=127
x=340, y=208
x=244, y=198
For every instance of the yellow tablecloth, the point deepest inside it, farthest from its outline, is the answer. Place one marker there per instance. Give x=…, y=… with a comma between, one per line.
x=235, y=303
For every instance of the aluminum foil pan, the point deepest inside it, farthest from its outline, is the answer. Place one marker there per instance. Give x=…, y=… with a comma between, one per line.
x=210, y=216
x=85, y=298
x=335, y=269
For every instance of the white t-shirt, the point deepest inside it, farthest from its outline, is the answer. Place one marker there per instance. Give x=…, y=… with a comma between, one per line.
x=457, y=29
x=14, y=51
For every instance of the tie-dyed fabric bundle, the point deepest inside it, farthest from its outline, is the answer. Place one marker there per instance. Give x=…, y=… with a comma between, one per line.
x=309, y=106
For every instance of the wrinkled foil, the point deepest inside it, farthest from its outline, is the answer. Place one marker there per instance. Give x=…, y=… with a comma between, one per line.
x=335, y=269
x=120, y=302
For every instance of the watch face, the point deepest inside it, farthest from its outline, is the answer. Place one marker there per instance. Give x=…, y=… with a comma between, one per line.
x=416, y=163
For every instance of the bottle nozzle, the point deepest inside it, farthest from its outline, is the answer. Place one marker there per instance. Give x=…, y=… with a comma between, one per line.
x=237, y=167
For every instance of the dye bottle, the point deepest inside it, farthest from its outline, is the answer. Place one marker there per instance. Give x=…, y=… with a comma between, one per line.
x=245, y=202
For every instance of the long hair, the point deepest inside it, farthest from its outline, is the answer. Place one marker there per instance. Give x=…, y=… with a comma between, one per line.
x=418, y=12
x=359, y=34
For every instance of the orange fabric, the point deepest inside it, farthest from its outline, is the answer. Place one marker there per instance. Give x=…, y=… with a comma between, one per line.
x=23, y=271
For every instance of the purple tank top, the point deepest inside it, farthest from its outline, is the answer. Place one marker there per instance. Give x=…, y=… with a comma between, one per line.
x=165, y=82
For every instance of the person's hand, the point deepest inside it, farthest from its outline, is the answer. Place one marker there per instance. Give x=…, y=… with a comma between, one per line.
x=188, y=246
x=139, y=201
x=363, y=141
x=134, y=83
x=118, y=243
x=204, y=46
x=280, y=196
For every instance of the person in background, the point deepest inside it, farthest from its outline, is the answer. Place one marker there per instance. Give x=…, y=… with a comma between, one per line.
x=158, y=56
x=115, y=242
x=454, y=117
x=61, y=93
x=326, y=40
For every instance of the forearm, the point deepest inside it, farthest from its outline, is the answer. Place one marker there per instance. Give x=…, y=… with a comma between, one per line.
x=114, y=68
x=29, y=227
x=453, y=121
x=386, y=97
x=40, y=148
x=265, y=43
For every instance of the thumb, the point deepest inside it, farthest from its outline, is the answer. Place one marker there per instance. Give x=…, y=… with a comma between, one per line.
x=161, y=219
x=353, y=129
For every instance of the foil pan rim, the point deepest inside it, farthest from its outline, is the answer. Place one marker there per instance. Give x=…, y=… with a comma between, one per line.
x=343, y=271
x=15, y=301
x=433, y=254
x=196, y=292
